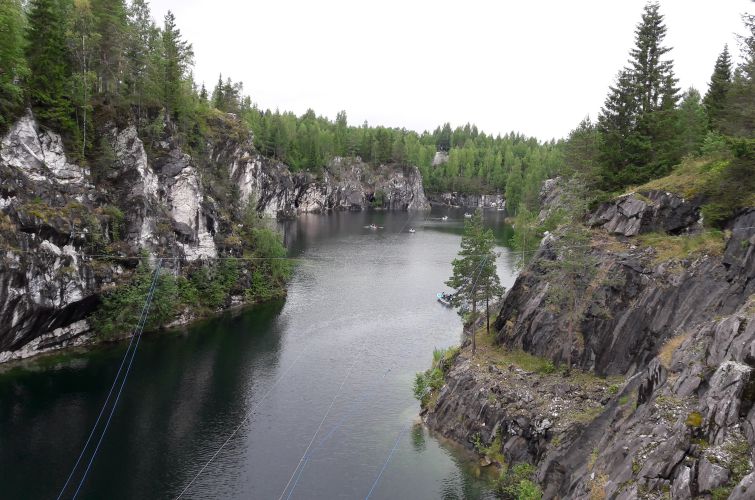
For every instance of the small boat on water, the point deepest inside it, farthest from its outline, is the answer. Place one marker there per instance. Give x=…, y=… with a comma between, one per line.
x=444, y=298
x=372, y=226
x=411, y=230
x=445, y=217
x=467, y=215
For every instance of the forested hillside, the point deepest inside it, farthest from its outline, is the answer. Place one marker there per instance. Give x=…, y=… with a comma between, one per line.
x=82, y=63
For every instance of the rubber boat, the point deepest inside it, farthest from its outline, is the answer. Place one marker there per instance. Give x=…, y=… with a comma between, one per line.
x=372, y=226
x=468, y=216
x=411, y=230
x=445, y=217
x=444, y=298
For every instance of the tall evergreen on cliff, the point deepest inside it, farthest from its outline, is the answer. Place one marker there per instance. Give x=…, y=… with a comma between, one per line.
x=177, y=59
x=12, y=61
x=49, y=63
x=638, y=120
x=739, y=114
x=720, y=82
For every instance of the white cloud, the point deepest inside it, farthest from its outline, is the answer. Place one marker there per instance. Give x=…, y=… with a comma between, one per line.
x=536, y=67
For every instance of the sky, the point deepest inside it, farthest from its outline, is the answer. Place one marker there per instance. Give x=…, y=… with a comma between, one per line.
x=536, y=67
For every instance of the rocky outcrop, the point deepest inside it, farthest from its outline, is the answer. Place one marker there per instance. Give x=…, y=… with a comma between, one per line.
x=675, y=336
x=646, y=212
x=345, y=184
x=468, y=200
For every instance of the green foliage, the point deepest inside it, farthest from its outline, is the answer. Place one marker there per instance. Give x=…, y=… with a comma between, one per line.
x=12, y=62
x=122, y=307
x=517, y=483
x=639, y=123
x=426, y=383
x=475, y=276
x=720, y=82
x=49, y=64
x=694, y=419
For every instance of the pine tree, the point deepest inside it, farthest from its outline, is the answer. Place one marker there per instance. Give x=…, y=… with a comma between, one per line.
x=83, y=42
x=638, y=118
x=693, y=123
x=111, y=26
x=141, y=39
x=177, y=58
x=720, y=81
x=739, y=112
x=50, y=64
x=475, y=276
x=651, y=73
x=12, y=62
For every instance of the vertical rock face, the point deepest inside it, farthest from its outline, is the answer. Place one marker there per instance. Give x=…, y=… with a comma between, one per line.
x=152, y=198
x=681, y=335
x=346, y=184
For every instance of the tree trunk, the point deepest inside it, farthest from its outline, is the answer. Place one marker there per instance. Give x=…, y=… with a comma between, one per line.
x=474, y=321
x=487, y=310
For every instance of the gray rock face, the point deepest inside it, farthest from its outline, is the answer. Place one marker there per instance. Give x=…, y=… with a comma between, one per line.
x=631, y=214
x=683, y=337
x=640, y=305
x=711, y=476
x=346, y=184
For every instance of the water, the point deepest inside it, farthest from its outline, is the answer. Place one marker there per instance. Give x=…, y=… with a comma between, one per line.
x=339, y=355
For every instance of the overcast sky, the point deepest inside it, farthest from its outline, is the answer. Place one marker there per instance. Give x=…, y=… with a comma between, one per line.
x=536, y=67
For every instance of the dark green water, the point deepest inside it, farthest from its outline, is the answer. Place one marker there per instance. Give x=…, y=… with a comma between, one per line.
x=339, y=355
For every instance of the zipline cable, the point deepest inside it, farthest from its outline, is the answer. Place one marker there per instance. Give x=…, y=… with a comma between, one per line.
x=136, y=335
x=325, y=416
x=332, y=431
x=246, y=417
x=104, y=405
x=388, y=459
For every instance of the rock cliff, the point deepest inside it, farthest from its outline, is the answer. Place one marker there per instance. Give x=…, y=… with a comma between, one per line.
x=661, y=402
x=69, y=232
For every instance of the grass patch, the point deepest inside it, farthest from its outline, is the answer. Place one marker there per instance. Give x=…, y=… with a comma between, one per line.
x=669, y=248
x=694, y=419
x=587, y=415
x=738, y=464
x=669, y=348
x=598, y=487
x=690, y=178
x=725, y=182
x=525, y=361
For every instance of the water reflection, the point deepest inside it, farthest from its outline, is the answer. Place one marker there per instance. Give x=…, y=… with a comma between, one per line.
x=359, y=297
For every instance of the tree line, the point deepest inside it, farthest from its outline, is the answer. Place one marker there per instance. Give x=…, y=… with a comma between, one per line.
x=82, y=63
x=647, y=125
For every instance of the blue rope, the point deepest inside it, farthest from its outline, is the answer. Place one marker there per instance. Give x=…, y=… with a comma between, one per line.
x=390, y=455
x=102, y=410
x=138, y=334
x=332, y=431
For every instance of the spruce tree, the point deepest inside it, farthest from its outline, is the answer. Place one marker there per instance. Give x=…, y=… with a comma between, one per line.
x=720, y=81
x=111, y=26
x=50, y=64
x=693, y=123
x=177, y=58
x=638, y=121
x=12, y=62
x=140, y=47
x=739, y=113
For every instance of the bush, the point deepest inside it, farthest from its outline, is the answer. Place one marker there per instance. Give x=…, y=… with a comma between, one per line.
x=517, y=483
